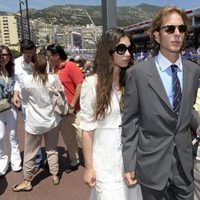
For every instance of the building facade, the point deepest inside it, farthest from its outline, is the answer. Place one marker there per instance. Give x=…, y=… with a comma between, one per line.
x=9, y=32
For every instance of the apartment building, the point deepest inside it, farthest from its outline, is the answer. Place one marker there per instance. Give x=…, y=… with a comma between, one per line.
x=90, y=35
x=9, y=32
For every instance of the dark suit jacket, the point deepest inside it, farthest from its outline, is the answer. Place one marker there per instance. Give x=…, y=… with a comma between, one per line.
x=150, y=130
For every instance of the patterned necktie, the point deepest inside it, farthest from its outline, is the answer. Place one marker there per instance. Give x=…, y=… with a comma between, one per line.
x=177, y=95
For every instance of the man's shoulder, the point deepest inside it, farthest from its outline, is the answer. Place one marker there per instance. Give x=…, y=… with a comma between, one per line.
x=91, y=79
x=191, y=64
x=18, y=64
x=18, y=60
x=71, y=66
x=142, y=65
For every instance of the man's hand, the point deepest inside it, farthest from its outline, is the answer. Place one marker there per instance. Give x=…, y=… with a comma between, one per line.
x=130, y=178
x=16, y=100
x=71, y=109
x=89, y=177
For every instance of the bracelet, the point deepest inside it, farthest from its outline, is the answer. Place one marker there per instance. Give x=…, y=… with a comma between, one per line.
x=71, y=107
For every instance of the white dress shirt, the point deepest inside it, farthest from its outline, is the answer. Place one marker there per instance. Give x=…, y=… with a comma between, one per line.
x=21, y=70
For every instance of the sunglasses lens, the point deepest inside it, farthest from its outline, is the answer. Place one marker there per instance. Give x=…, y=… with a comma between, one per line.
x=121, y=49
x=182, y=28
x=170, y=29
x=4, y=55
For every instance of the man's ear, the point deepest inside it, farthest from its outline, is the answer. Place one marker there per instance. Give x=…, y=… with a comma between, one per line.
x=157, y=36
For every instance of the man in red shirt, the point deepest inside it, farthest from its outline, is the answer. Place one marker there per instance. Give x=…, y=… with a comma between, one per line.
x=71, y=78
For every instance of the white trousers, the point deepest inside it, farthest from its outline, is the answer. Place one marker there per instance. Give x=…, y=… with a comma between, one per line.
x=8, y=126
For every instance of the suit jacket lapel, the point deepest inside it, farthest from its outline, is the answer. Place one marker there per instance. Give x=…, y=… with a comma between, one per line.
x=156, y=83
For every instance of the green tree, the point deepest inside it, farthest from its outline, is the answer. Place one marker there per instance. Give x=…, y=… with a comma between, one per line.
x=15, y=53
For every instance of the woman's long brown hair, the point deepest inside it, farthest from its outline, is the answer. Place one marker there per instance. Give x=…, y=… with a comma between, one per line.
x=103, y=67
x=10, y=65
x=40, y=68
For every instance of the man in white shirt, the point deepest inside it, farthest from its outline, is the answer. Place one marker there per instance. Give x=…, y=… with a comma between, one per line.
x=23, y=67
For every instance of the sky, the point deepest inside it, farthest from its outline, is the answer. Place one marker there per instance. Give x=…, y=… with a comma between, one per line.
x=13, y=5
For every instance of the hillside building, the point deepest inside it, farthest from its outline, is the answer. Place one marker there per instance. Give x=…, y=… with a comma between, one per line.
x=9, y=32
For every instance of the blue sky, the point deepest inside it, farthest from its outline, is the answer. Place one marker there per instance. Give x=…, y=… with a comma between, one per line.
x=13, y=5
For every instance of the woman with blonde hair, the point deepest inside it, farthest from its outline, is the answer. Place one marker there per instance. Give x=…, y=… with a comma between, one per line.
x=41, y=121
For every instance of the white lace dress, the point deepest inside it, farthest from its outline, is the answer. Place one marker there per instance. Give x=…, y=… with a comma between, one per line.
x=107, y=149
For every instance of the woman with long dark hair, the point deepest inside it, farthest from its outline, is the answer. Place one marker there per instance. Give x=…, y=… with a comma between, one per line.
x=8, y=118
x=101, y=111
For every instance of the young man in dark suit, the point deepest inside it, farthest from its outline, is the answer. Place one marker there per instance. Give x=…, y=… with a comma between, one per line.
x=158, y=114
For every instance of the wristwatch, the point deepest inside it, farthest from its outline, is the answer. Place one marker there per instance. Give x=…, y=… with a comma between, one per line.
x=71, y=107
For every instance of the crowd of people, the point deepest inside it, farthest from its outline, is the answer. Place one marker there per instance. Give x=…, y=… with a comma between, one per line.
x=134, y=121
x=187, y=53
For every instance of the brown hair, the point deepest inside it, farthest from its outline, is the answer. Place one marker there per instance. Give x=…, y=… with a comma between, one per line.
x=157, y=23
x=104, y=67
x=40, y=68
x=10, y=65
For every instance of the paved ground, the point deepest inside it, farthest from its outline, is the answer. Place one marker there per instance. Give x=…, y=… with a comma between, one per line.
x=71, y=186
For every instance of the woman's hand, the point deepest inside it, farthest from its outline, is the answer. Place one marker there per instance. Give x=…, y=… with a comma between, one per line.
x=90, y=177
x=130, y=178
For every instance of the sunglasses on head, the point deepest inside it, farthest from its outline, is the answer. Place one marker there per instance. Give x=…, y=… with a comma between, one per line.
x=122, y=48
x=171, y=28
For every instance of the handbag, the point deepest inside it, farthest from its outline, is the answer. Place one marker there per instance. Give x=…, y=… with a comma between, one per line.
x=4, y=105
x=58, y=98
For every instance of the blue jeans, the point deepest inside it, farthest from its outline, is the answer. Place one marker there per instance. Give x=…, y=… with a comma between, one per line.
x=39, y=158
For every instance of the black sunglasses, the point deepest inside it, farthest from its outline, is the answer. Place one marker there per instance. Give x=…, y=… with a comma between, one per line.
x=122, y=48
x=5, y=54
x=171, y=28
